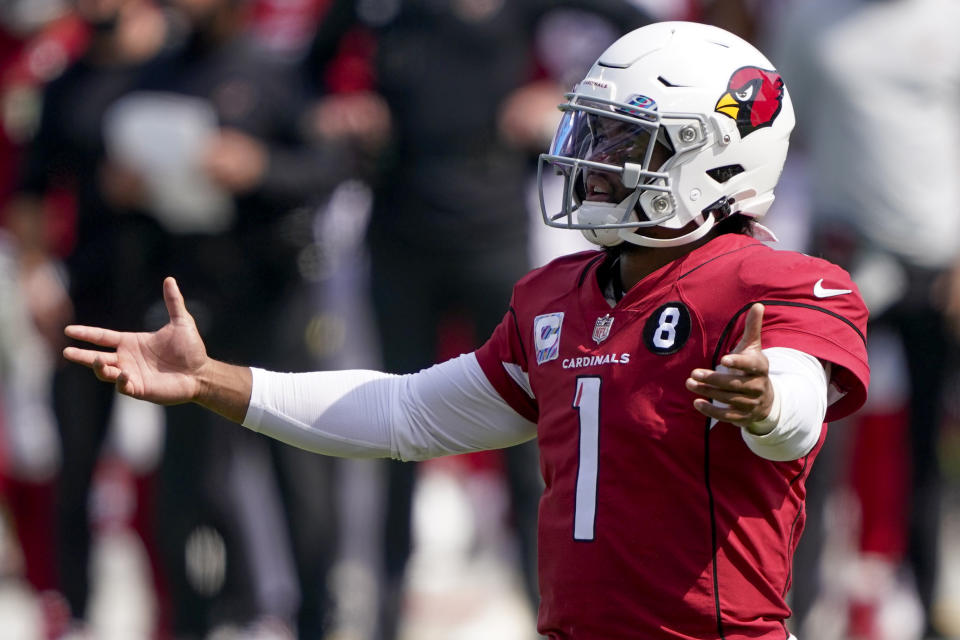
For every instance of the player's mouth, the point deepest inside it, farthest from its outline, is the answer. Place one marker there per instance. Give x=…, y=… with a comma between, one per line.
x=599, y=188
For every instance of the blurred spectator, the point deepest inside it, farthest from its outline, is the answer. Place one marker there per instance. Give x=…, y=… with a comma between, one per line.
x=286, y=27
x=37, y=41
x=209, y=145
x=876, y=85
x=449, y=229
x=65, y=157
x=195, y=173
x=29, y=443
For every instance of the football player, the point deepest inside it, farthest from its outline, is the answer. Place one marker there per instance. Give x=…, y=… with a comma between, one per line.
x=678, y=379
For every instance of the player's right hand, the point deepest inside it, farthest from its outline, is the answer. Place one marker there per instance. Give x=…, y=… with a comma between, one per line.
x=162, y=366
x=739, y=392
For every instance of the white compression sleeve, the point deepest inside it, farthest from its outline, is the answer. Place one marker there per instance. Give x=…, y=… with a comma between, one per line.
x=800, y=394
x=446, y=409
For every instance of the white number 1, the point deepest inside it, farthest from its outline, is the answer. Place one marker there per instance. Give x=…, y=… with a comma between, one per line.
x=587, y=403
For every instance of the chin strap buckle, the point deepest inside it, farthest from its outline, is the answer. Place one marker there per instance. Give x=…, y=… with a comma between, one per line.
x=721, y=209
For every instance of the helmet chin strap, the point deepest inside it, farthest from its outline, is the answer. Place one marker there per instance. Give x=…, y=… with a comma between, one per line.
x=631, y=236
x=600, y=213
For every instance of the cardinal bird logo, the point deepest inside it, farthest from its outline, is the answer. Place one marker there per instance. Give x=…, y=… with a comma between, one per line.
x=754, y=98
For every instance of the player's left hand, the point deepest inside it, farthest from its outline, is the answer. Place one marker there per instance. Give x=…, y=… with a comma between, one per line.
x=162, y=367
x=740, y=387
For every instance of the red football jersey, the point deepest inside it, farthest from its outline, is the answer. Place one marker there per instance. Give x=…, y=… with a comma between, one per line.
x=653, y=524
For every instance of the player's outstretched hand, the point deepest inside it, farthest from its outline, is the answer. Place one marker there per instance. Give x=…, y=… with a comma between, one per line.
x=161, y=367
x=741, y=386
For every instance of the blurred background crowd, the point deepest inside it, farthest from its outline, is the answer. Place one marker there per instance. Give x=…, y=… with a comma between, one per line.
x=349, y=184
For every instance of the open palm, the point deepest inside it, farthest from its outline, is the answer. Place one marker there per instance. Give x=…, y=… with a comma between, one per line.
x=161, y=366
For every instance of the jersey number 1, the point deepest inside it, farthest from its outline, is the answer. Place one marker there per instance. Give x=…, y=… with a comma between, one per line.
x=587, y=403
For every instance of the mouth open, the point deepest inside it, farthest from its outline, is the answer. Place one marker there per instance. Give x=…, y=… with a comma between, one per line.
x=599, y=188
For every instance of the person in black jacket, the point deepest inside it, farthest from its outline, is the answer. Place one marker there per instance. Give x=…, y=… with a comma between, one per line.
x=114, y=248
x=189, y=160
x=240, y=242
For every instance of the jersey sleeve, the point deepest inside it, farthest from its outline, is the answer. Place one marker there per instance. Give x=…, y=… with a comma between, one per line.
x=503, y=359
x=813, y=306
x=445, y=409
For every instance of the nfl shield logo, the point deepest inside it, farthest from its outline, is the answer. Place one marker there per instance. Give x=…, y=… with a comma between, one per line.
x=601, y=330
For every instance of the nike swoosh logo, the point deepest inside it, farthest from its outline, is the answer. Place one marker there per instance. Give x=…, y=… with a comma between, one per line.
x=821, y=292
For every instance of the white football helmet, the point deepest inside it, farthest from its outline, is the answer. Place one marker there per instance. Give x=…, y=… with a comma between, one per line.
x=676, y=123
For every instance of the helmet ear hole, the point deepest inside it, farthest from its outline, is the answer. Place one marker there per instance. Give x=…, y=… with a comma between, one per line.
x=724, y=173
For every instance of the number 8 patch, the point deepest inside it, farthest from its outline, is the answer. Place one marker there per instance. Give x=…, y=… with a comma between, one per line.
x=667, y=328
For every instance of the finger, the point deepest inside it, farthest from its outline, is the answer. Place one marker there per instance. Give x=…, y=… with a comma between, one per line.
x=104, y=371
x=751, y=330
x=719, y=413
x=751, y=363
x=172, y=297
x=125, y=385
x=736, y=400
x=87, y=357
x=743, y=397
x=729, y=381
x=94, y=335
